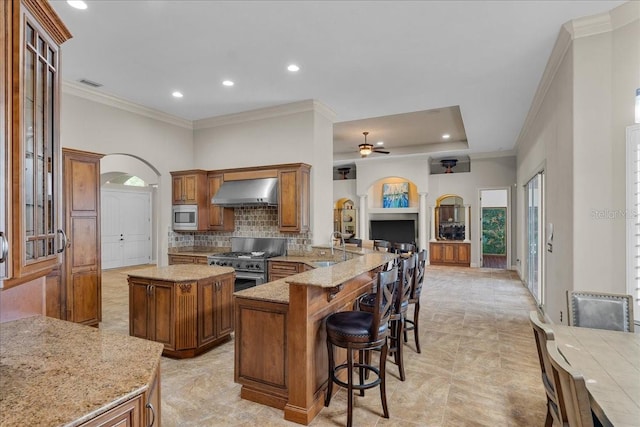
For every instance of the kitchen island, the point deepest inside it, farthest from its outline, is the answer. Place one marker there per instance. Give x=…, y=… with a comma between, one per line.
x=54, y=372
x=186, y=307
x=280, y=347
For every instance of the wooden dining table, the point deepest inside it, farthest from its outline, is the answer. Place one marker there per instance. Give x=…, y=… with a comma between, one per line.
x=610, y=364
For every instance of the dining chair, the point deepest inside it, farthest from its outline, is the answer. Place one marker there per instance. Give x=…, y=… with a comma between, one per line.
x=599, y=310
x=543, y=334
x=574, y=406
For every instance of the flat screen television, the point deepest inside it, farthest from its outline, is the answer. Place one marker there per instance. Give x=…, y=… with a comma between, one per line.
x=401, y=231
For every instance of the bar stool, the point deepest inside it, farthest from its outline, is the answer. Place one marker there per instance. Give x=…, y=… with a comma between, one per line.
x=414, y=298
x=382, y=246
x=363, y=332
x=403, y=248
x=400, y=306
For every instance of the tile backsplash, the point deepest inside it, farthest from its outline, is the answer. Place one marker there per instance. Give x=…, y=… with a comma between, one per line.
x=250, y=222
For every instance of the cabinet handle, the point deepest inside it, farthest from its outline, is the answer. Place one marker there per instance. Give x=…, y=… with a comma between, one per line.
x=5, y=247
x=64, y=240
x=153, y=414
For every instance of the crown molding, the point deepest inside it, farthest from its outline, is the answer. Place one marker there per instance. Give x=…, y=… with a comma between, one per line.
x=266, y=113
x=574, y=29
x=558, y=53
x=81, y=91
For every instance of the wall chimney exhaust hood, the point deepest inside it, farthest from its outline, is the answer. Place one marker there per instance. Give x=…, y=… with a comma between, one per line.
x=249, y=192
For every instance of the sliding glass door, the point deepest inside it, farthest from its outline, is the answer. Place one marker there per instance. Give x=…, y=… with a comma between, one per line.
x=535, y=221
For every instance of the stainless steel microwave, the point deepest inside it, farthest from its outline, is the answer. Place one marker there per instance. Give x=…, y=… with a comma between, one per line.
x=184, y=217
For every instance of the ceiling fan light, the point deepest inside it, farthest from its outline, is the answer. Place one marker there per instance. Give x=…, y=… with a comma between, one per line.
x=365, y=149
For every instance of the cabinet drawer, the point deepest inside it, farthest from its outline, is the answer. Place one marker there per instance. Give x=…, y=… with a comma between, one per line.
x=283, y=267
x=124, y=415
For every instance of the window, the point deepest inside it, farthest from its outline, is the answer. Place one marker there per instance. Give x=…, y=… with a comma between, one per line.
x=633, y=217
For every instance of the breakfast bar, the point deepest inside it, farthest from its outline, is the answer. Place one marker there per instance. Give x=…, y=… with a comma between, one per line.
x=280, y=349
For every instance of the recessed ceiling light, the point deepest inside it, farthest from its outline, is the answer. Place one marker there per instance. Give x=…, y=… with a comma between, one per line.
x=446, y=136
x=78, y=4
x=177, y=94
x=293, y=68
x=380, y=143
x=228, y=83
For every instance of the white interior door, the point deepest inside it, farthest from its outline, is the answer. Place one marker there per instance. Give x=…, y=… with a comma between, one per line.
x=535, y=221
x=126, y=228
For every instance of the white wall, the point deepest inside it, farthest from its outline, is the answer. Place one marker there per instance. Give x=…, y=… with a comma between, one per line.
x=575, y=132
x=485, y=173
x=293, y=133
x=95, y=126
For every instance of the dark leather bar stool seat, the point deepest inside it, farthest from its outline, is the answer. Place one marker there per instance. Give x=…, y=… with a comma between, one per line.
x=362, y=332
x=403, y=248
x=414, y=298
x=400, y=306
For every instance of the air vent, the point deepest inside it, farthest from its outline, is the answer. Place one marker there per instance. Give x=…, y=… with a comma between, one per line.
x=90, y=83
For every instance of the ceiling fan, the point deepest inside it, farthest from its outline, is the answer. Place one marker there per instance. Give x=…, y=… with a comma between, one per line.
x=366, y=149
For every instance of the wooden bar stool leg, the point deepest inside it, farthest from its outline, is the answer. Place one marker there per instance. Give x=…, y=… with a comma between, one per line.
x=383, y=388
x=416, y=313
x=327, y=398
x=349, y=386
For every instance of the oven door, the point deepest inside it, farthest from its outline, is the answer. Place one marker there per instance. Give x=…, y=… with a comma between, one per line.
x=246, y=279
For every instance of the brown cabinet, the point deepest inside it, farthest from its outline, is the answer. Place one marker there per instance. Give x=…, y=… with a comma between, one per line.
x=152, y=311
x=187, y=259
x=54, y=294
x=450, y=253
x=215, y=308
x=187, y=317
x=294, y=204
x=190, y=188
x=282, y=269
x=186, y=185
x=82, y=268
x=32, y=34
x=220, y=218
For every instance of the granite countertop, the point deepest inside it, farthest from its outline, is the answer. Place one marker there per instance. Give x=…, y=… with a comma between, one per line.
x=332, y=276
x=276, y=291
x=54, y=372
x=325, y=277
x=181, y=272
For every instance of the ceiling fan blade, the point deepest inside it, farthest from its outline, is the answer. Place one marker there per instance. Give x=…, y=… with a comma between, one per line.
x=375, y=150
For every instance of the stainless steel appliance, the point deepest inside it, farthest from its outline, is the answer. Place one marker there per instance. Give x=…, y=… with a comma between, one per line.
x=249, y=257
x=184, y=217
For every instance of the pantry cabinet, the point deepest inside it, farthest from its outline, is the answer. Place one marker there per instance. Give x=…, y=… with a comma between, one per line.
x=31, y=87
x=82, y=266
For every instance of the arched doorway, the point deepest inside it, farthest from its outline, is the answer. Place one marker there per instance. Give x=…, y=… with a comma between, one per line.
x=129, y=199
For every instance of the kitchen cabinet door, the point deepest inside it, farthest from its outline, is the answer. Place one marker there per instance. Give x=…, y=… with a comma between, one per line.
x=31, y=51
x=82, y=269
x=189, y=187
x=151, y=311
x=224, y=305
x=294, y=187
x=220, y=218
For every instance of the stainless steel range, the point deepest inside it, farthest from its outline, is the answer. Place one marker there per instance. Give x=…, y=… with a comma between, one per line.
x=248, y=257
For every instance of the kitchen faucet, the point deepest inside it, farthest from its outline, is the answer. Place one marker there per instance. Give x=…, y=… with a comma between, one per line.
x=344, y=247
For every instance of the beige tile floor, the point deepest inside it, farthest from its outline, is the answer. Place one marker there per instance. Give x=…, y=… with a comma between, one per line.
x=478, y=365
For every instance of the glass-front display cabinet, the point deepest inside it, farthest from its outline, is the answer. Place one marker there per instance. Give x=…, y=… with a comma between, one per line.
x=450, y=218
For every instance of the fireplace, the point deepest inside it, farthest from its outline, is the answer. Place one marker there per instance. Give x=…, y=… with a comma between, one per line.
x=394, y=227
